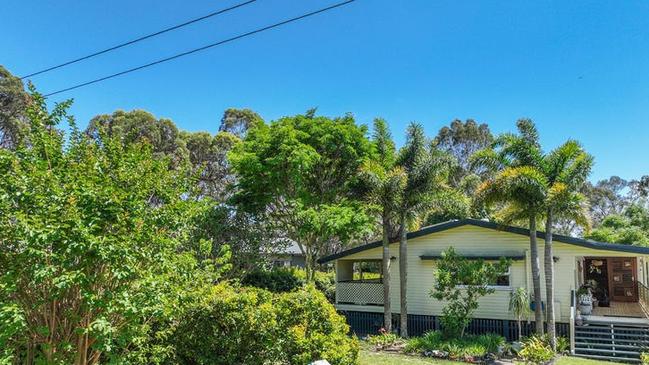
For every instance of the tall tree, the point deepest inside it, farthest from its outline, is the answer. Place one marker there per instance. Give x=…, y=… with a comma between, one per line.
x=426, y=173
x=94, y=242
x=606, y=197
x=301, y=171
x=138, y=126
x=462, y=140
x=519, y=188
x=384, y=182
x=630, y=227
x=13, y=104
x=566, y=169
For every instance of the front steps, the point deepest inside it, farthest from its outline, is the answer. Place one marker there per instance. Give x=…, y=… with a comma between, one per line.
x=611, y=341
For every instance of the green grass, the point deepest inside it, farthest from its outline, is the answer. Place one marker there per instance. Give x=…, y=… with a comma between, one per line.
x=570, y=360
x=369, y=357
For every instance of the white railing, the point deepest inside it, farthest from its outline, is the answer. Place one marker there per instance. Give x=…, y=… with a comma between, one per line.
x=359, y=292
x=573, y=313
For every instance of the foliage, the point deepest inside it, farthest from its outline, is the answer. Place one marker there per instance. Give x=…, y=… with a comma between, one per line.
x=644, y=358
x=462, y=140
x=383, y=183
x=95, y=243
x=536, y=350
x=301, y=171
x=426, y=171
x=519, y=305
x=314, y=330
x=253, y=326
x=229, y=327
x=630, y=227
x=383, y=339
x=462, y=282
x=281, y=280
x=13, y=103
x=471, y=345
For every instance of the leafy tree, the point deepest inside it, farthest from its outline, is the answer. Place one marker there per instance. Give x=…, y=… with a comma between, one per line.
x=138, y=126
x=208, y=155
x=630, y=227
x=13, y=102
x=95, y=243
x=301, y=171
x=606, y=197
x=426, y=174
x=238, y=121
x=462, y=282
x=462, y=140
x=384, y=182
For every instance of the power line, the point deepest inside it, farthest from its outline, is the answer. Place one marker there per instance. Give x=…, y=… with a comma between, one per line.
x=204, y=47
x=215, y=13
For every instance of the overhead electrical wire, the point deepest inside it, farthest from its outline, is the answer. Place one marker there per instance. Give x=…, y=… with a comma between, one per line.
x=212, y=14
x=228, y=40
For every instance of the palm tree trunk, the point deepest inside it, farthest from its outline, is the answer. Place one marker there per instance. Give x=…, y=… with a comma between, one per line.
x=536, y=277
x=549, y=280
x=387, y=307
x=403, y=276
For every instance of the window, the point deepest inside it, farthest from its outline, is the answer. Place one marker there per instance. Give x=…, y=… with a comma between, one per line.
x=503, y=280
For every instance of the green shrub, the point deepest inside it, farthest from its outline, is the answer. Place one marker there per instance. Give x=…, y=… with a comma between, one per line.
x=644, y=358
x=312, y=329
x=254, y=326
x=469, y=345
x=232, y=326
x=279, y=280
x=384, y=339
x=536, y=350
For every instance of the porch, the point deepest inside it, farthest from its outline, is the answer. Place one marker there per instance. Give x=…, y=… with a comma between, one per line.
x=359, y=282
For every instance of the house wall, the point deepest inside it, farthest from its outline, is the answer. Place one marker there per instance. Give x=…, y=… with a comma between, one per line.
x=473, y=240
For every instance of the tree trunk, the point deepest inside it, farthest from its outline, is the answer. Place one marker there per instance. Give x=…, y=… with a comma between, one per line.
x=520, y=330
x=403, y=276
x=387, y=307
x=536, y=277
x=549, y=280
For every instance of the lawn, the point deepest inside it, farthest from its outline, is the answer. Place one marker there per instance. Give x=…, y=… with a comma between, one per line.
x=369, y=357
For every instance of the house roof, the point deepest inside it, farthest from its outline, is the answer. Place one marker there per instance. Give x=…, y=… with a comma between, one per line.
x=491, y=225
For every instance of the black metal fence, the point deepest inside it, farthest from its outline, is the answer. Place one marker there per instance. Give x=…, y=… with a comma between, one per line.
x=369, y=323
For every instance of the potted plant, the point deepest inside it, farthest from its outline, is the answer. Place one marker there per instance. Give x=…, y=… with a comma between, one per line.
x=585, y=300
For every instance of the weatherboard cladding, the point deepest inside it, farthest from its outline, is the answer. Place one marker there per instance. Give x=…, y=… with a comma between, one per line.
x=490, y=225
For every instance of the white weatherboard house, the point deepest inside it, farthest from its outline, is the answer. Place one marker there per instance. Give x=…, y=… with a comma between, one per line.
x=619, y=272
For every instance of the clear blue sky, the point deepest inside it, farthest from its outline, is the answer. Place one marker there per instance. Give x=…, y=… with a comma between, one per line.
x=580, y=69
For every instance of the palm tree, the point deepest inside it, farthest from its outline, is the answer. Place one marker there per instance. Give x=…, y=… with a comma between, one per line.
x=519, y=304
x=520, y=188
x=384, y=183
x=425, y=173
x=566, y=169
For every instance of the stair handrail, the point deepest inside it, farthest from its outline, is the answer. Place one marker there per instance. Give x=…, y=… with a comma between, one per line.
x=573, y=312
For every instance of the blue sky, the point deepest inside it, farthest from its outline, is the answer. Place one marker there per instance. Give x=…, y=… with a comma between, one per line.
x=580, y=69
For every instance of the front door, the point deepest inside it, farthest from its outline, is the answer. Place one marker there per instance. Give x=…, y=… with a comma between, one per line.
x=622, y=279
